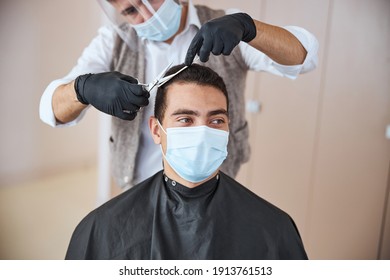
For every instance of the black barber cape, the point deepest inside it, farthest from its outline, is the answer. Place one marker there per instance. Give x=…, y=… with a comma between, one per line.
x=161, y=219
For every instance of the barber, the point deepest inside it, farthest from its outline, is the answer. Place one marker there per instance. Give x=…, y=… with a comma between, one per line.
x=230, y=42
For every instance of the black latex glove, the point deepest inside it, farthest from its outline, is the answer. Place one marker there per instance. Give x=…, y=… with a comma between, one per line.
x=220, y=36
x=112, y=93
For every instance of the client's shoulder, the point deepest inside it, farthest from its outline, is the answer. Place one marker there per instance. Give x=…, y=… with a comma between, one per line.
x=246, y=200
x=136, y=199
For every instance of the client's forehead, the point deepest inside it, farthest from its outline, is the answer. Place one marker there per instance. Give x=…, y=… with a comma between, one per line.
x=194, y=96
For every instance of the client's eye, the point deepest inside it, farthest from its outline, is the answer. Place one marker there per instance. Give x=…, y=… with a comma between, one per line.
x=218, y=121
x=185, y=120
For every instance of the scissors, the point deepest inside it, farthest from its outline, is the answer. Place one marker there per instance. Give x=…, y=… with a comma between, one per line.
x=160, y=80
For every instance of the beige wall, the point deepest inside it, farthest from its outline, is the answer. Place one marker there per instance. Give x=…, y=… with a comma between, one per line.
x=47, y=176
x=41, y=41
x=318, y=144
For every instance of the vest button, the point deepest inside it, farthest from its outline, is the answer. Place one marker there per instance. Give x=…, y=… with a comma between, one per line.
x=126, y=179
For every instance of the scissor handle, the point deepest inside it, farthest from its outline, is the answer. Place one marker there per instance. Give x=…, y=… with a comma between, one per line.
x=141, y=84
x=145, y=86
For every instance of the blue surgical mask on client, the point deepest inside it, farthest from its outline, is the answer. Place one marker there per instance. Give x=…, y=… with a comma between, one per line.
x=195, y=152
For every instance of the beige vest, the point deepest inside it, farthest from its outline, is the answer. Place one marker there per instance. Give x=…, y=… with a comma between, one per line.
x=125, y=135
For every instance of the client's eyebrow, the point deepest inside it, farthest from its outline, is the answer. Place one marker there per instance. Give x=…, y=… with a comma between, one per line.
x=218, y=112
x=197, y=114
x=185, y=112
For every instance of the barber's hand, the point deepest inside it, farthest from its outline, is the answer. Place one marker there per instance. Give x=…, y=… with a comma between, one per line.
x=220, y=36
x=112, y=93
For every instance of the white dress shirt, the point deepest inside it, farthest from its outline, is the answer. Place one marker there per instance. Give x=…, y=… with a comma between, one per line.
x=96, y=58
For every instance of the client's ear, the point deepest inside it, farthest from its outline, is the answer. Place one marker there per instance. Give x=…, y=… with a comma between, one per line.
x=155, y=130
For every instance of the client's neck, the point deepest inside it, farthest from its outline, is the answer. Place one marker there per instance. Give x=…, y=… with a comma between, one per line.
x=171, y=174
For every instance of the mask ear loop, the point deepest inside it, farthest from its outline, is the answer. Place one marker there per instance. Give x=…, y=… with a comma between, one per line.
x=162, y=152
x=159, y=124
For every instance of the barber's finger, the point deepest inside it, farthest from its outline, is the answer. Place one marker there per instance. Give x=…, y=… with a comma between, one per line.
x=127, y=78
x=205, y=50
x=218, y=46
x=137, y=101
x=130, y=108
x=193, y=49
x=135, y=90
x=229, y=47
x=126, y=115
x=140, y=90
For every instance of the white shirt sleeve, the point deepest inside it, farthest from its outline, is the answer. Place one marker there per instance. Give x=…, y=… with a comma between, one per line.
x=258, y=61
x=95, y=58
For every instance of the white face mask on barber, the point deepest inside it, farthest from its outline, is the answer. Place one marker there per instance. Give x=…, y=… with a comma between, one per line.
x=163, y=24
x=195, y=152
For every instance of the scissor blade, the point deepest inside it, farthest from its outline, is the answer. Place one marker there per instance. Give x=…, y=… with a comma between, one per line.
x=167, y=78
x=156, y=81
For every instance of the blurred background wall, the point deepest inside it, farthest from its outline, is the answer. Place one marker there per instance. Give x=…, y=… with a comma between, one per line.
x=44, y=172
x=319, y=149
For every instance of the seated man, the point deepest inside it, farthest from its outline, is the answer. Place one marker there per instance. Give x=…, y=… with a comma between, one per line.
x=189, y=210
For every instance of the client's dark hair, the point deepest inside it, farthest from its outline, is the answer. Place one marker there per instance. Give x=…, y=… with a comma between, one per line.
x=196, y=74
